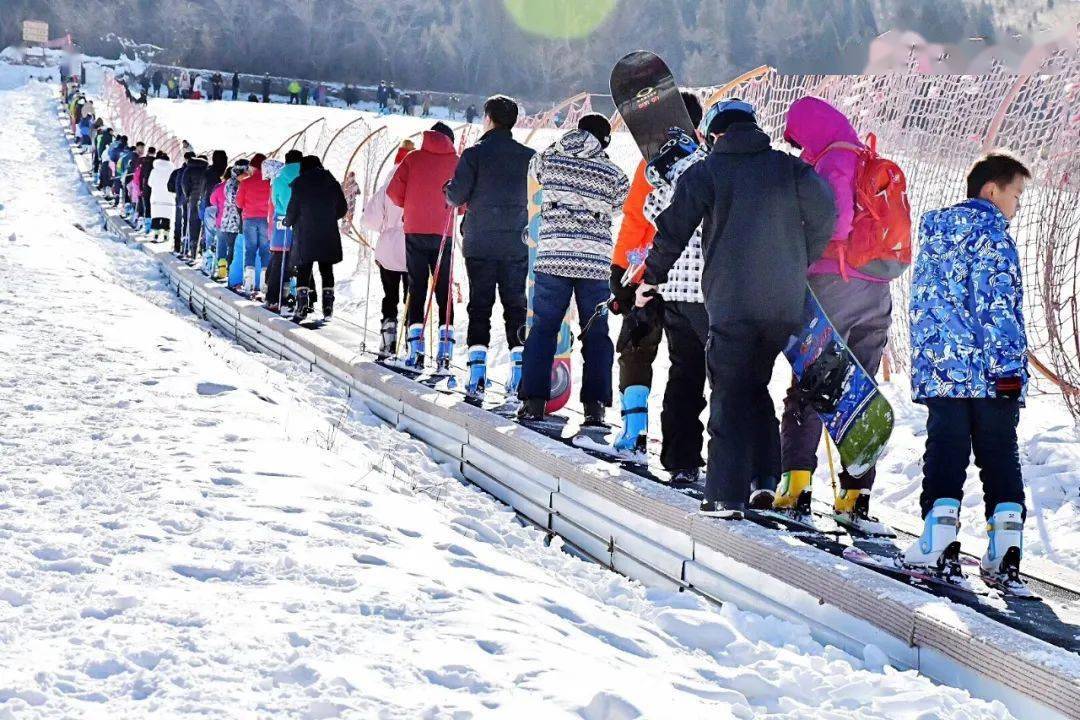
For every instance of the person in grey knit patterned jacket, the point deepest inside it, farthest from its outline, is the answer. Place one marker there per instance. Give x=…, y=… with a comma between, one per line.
x=582, y=190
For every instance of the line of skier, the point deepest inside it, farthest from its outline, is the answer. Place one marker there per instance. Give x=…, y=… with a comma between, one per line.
x=717, y=261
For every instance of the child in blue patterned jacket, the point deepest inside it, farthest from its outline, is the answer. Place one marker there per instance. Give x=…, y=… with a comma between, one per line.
x=969, y=366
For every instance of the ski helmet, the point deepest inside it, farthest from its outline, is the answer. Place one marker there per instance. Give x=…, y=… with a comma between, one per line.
x=730, y=105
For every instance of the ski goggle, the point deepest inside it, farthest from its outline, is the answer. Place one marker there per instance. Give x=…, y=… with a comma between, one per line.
x=722, y=106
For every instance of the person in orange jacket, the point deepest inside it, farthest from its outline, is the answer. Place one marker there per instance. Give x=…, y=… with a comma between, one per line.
x=639, y=339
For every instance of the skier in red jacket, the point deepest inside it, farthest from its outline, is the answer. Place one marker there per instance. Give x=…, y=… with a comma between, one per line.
x=417, y=187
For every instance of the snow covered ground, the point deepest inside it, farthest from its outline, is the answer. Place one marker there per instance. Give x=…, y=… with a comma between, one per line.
x=1050, y=448
x=190, y=529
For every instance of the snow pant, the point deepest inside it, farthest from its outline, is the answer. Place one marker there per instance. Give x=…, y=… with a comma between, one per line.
x=305, y=275
x=210, y=242
x=144, y=203
x=686, y=325
x=551, y=299
x=294, y=99
x=743, y=431
x=957, y=426
x=861, y=312
x=395, y=287
x=277, y=277
x=160, y=224
x=507, y=275
x=256, y=240
x=421, y=257
x=178, y=228
x=226, y=244
x=639, y=341
x=194, y=227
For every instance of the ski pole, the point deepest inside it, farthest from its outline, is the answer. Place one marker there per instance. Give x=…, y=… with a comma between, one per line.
x=435, y=274
x=832, y=468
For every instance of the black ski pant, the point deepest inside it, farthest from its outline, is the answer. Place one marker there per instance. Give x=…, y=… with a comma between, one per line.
x=861, y=311
x=278, y=273
x=421, y=257
x=743, y=431
x=395, y=287
x=687, y=327
x=194, y=229
x=507, y=275
x=638, y=344
x=305, y=276
x=178, y=228
x=957, y=426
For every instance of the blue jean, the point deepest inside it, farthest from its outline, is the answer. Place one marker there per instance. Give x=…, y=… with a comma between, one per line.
x=256, y=239
x=226, y=241
x=551, y=298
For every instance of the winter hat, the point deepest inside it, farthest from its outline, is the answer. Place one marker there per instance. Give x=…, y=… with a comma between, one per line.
x=725, y=113
x=596, y=125
x=257, y=160
x=444, y=129
x=272, y=168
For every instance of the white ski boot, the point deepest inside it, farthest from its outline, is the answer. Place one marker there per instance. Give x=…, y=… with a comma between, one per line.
x=249, y=281
x=937, y=549
x=388, y=344
x=1000, y=566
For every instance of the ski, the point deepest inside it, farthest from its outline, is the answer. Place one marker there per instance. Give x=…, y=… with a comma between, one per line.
x=959, y=584
x=869, y=529
x=798, y=522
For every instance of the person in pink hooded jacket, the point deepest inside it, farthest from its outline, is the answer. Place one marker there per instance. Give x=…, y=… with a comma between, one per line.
x=385, y=218
x=858, y=304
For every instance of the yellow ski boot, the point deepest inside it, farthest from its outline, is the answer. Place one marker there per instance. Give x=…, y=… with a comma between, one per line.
x=222, y=270
x=794, y=484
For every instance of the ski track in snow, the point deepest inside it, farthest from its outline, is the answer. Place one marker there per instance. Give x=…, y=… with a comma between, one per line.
x=193, y=530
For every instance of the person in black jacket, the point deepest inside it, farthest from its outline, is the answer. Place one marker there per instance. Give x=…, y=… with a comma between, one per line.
x=491, y=178
x=235, y=85
x=316, y=205
x=767, y=216
x=266, y=88
x=193, y=183
x=176, y=186
x=156, y=80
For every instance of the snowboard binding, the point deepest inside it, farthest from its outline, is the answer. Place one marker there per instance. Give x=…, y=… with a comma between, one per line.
x=822, y=383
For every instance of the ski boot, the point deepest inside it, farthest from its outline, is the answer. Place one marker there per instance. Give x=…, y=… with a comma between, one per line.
x=532, y=409
x=793, y=494
x=762, y=499
x=415, y=342
x=477, y=382
x=388, y=344
x=249, y=281
x=1000, y=566
x=515, y=371
x=222, y=270
x=303, y=304
x=446, y=349
x=594, y=414
x=851, y=509
x=147, y=222
x=635, y=411
x=937, y=549
x=685, y=477
x=723, y=509
x=327, y=303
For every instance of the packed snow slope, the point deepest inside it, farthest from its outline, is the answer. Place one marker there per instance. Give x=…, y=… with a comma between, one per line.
x=1050, y=450
x=192, y=530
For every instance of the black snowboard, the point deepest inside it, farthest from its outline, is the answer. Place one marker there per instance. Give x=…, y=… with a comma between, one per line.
x=648, y=99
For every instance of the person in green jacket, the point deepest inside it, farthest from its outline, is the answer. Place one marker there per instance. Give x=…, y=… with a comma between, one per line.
x=294, y=93
x=281, y=236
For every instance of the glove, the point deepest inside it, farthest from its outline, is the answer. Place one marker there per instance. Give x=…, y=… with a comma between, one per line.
x=623, y=294
x=1009, y=387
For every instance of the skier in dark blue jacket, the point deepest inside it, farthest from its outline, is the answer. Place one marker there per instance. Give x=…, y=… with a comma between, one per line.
x=491, y=180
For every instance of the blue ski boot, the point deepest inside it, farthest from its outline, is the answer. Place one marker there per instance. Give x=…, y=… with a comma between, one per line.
x=446, y=349
x=515, y=371
x=147, y=222
x=415, y=343
x=937, y=549
x=635, y=410
x=477, y=372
